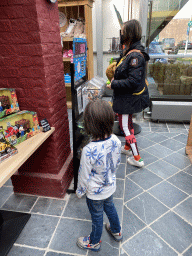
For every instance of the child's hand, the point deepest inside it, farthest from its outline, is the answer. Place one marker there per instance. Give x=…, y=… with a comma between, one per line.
x=109, y=86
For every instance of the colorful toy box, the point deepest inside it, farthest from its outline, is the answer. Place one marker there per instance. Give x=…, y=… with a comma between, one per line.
x=8, y=102
x=19, y=126
x=6, y=149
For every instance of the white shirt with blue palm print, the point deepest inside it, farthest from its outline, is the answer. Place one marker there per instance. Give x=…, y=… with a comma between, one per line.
x=98, y=165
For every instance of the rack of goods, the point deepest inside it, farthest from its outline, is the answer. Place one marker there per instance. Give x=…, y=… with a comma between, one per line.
x=75, y=19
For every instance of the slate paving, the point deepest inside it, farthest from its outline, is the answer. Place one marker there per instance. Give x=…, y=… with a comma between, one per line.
x=154, y=204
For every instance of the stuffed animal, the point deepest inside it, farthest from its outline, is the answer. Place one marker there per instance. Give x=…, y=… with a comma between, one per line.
x=110, y=71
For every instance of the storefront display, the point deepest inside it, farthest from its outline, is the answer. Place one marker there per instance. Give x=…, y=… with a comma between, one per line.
x=6, y=149
x=8, y=102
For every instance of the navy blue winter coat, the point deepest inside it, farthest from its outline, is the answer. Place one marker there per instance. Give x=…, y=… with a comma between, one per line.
x=129, y=78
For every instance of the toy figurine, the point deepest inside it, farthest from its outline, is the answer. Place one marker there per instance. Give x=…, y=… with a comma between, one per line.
x=1, y=108
x=21, y=130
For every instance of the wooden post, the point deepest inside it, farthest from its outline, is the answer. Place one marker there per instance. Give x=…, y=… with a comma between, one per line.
x=188, y=148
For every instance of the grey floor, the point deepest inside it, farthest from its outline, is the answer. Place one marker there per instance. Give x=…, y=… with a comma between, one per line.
x=154, y=204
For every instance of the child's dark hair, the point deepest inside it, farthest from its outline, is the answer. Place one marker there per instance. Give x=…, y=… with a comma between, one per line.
x=132, y=31
x=98, y=119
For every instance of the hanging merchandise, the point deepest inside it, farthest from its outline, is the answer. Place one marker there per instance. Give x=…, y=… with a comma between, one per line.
x=79, y=57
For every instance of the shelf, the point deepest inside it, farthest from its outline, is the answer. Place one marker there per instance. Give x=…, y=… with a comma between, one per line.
x=67, y=39
x=66, y=59
x=67, y=84
x=62, y=3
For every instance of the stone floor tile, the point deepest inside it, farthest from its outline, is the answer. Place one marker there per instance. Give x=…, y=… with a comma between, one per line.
x=163, y=169
x=159, y=151
x=147, y=243
x=156, y=129
x=185, y=210
x=183, y=181
x=119, y=189
x=131, y=168
x=131, y=190
x=176, y=130
x=123, y=158
x=146, y=207
x=174, y=230
x=188, y=170
x=158, y=125
x=38, y=231
x=145, y=178
x=77, y=208
x=168, y=194
x=20, y=202
x=143, y=143
x=24, y=251
x=58, y=254
x=108, y=246
x=121, y=172
x=5, y=193
x=188, y=252
x=131, y=224
x=147, y=157
x=172, y=144
x=181, y=138
x=8, y=183
x=178, y=160
x=156, y=137
x=66, y=235
x=49, y=206
x=170, y=134
x=176, y=125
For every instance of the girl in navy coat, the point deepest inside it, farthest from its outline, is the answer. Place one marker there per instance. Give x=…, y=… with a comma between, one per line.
x=130, y=93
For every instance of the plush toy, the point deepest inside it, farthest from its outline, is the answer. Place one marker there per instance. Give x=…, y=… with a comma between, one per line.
x=110, y=71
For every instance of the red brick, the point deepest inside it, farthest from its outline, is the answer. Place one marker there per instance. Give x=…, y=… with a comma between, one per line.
x=3, y=2
x=31, y=83
x=31, y=72
x=21, y=2
x=3, y=83
x=29, y=11
x=8, y=72
x=51, y=37
x=7, y=50
x=35, y=61
x=25, y=25
x=52, y=59
x=5, y=25
x=31, y=102
x=28, y=50
x=11, y=12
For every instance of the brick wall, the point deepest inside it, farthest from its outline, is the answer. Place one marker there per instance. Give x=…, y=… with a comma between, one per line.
x=31, y=62
x=177, y=28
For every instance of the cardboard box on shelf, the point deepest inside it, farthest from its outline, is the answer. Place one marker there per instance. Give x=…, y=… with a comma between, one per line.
x=8, y=102
x=19, y=126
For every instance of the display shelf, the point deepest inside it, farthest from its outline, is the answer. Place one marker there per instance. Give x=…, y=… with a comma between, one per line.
x=67, y=84
x=66, y=59
x=67, y=39
x=62, y=3
x=25, y=149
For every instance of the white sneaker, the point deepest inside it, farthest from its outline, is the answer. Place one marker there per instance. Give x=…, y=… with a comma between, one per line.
x=126, y=152
x=132, y=161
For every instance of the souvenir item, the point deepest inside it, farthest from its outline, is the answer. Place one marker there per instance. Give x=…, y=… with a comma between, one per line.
x=8, y=102
x=20, y=126
x=6, y=149
x=44, y=123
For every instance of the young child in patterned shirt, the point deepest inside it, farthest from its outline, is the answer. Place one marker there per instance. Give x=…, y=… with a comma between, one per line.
x=97, y=173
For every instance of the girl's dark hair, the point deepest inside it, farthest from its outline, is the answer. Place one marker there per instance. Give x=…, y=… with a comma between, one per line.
x=132, y=31
x=98, y=119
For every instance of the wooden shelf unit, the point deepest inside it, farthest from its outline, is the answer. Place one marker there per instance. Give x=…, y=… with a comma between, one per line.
x=75, y=9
